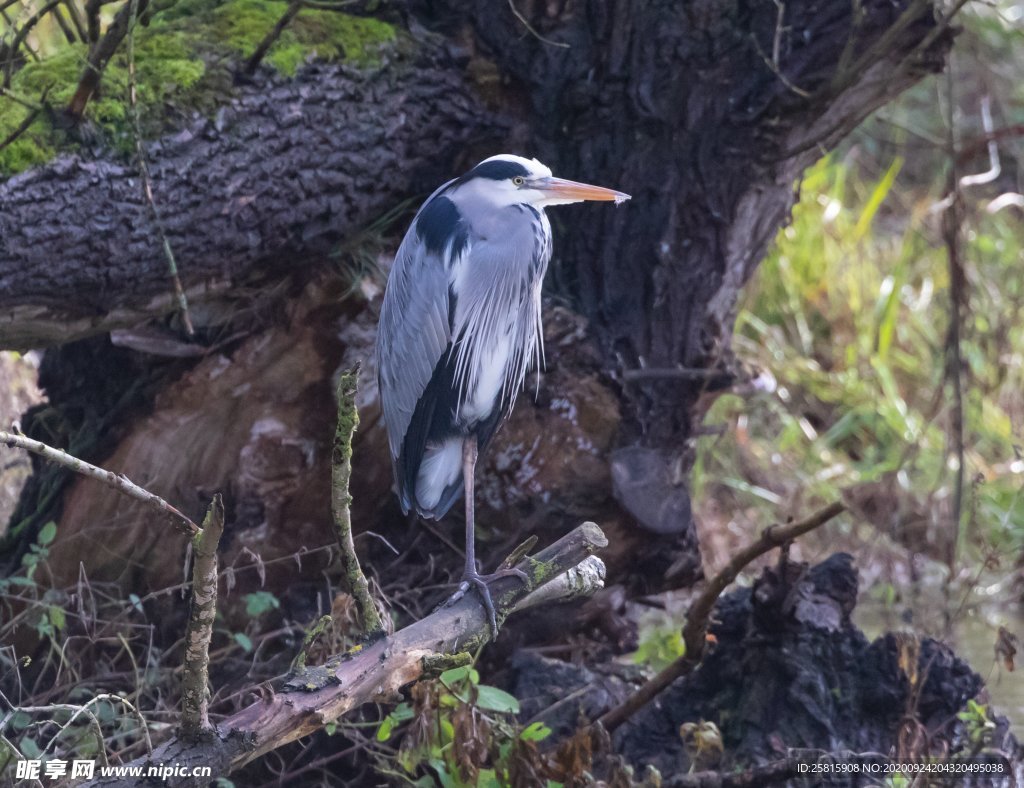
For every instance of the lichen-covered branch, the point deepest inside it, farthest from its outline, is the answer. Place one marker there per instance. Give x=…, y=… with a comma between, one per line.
x=376, y=672
x=194, y=697
x=341, y=501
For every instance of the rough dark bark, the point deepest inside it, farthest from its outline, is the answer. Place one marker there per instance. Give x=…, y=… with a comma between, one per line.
x=280, y=176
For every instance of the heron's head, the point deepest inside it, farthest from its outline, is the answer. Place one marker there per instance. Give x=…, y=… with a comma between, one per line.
x=506, y=180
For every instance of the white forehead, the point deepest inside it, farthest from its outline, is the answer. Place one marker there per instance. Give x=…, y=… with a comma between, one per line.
x=536, y=169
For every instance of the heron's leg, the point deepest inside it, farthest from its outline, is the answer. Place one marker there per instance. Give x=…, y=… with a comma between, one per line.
x=470, y=450
x=472, y=577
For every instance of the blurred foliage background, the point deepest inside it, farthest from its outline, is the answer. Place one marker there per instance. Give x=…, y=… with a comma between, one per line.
x=848, y=330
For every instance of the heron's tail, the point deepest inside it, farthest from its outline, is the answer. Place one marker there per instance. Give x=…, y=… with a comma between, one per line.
x=438, y=482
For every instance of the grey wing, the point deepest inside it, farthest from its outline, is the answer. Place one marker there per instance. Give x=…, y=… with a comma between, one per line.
x=414, y=332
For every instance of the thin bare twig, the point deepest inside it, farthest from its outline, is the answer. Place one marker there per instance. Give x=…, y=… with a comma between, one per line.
x=671, y=373
x=275, y=32
x=952, y=218
x=881, y=47
x=699, y=614
x=774, y=62
x=24, y=126
x=195, y=719
x=321, y=6
x=62, y=23
x=147, y=180
x=526, y=23
x=26, y=103
x=341, y=500
x=118, y=481
x=76, y=20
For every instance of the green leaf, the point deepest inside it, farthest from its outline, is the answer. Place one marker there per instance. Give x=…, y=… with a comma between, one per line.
x=56, y=616
x=402, y=712
x=455, y=675
x=331, y=728
x=494, y=699
x=29, y=748
x=878, y=195
x=386, y=726
x=244, y=641
x=47, y=533
x=442, y=773
x=535, y=731
x=486, y=778
x=260, y=602
x=45, y=628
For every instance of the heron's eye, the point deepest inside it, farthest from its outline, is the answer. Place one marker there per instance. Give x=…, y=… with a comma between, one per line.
x=519, y=180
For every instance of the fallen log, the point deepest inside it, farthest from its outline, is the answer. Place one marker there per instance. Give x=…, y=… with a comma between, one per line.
x=79, y=252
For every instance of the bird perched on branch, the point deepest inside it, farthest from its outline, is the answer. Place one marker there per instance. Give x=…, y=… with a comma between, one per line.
x=460, y=326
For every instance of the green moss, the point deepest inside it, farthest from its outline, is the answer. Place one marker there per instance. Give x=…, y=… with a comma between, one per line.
x=30, y=149
x=166, y=71
x=182, y=58
x=326, y=35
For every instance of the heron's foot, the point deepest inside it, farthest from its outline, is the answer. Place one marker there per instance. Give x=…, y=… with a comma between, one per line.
x=479, y=582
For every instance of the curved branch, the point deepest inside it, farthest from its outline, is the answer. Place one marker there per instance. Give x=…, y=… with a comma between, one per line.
x=699, y=614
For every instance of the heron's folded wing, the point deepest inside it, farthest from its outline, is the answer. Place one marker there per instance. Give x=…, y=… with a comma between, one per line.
x=414, y=332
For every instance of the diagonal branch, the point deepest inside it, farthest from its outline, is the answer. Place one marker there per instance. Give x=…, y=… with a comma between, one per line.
x=102, y=51
x=118, y=481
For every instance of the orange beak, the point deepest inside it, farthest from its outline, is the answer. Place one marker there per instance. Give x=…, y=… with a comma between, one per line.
x=571, y=190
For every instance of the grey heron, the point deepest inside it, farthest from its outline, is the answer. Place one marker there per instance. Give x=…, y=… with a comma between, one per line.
x=460, y=326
